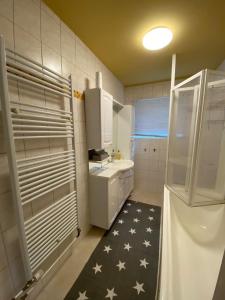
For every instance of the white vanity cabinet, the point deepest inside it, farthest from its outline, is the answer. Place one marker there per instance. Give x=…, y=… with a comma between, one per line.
x=126, y=183
x=99, y=118
x=108, y=190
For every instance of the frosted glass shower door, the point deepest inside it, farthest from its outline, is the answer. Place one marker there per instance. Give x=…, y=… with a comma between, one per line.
x=209, y=184
x=184, y=109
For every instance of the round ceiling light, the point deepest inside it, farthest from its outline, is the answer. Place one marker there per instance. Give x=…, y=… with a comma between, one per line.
x=157, y=38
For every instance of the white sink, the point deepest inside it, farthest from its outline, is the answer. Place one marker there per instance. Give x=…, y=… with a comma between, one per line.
x=122, y=164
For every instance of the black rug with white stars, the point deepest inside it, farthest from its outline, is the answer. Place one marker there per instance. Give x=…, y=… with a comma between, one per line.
x=124, y=265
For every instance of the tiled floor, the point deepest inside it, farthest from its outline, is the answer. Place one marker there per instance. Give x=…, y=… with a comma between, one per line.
x=145, y=197
x=58, y=287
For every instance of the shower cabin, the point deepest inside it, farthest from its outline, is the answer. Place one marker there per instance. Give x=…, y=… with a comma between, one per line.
x=196, y=147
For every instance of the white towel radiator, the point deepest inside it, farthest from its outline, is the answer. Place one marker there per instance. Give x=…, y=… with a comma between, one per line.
x=36, y=176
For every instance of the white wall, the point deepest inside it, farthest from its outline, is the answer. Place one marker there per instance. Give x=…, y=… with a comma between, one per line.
x=149, y=165
x=147, y=91
x=32, y=29
x=149, y=175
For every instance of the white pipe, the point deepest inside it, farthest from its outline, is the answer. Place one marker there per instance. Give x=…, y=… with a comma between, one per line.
x=42, y=137
x=70, y=245
x=67, y=159
x=45, y=155
x=41, y=187
x=40, y=122
x=56, y=171
x=42, y=112
x=39, y=74
x=30, y=223
x=54, y=239
x=49, y=231
x=42, y=107
x=54, y=167
x=60, y=183
x=43, y=127
x=38, y=85
x=51, y=222
x=34, y=63
x=11, y=151
x=35, y=80
x=23, y=186
x=42, y=258
x=35, y=228
x=34, y=132
x=99, y=80
x=64, y=232
x=19, y=115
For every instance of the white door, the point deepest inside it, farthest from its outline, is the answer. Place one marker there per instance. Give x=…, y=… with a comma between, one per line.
x=107, y=119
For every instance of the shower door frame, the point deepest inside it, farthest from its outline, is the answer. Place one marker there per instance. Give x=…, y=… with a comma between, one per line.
x=195, y=128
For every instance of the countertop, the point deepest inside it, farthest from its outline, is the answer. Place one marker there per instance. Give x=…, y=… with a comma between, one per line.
x=110, y=169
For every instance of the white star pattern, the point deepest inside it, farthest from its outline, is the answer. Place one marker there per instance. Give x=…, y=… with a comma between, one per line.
x=107, y=249
x=136, y=220
x=115, y=232
x=132, y=231
x=147, y=244
x=111, y=294
x=121, y=265
x=97, y=268
x=123, y=240
x=148, y=229
x=143, y=263
x=139, y=287
x=82, y=296
x=127, y=247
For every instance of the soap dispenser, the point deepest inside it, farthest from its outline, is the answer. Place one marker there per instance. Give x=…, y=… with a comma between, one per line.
x=118, y=155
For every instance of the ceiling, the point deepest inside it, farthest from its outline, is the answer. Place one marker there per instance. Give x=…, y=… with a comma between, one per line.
x=113, y=30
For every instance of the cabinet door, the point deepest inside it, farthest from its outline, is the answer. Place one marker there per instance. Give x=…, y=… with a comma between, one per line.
x=113, y=205
x=121, y=196
x=107, y=119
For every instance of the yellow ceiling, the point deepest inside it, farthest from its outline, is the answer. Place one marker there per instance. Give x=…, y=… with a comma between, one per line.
x=113, y=30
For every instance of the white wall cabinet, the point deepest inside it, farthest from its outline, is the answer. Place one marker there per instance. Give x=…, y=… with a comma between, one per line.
x=99, y=118
x=107, y=196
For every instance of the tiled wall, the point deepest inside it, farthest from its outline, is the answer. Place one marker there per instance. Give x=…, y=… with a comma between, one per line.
x=147, y=91
x=32, y=29
x=149, y=175
x=149, y=165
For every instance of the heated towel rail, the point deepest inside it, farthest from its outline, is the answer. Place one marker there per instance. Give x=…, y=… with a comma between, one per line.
x=35, y=176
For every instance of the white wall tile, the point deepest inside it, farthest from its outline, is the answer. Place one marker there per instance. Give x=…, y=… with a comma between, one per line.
x=3, y=259
x=51, y=59
x=7, y=219
x=7, y=289
x=17, y=271
x=50, y=31
x=50, y=12
x=27, y=45
x=6, y=29
x=11, y=242
x=149, y=165
x=27, y=16
x=4, y=175
x=6, y=9
x=68, y=43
